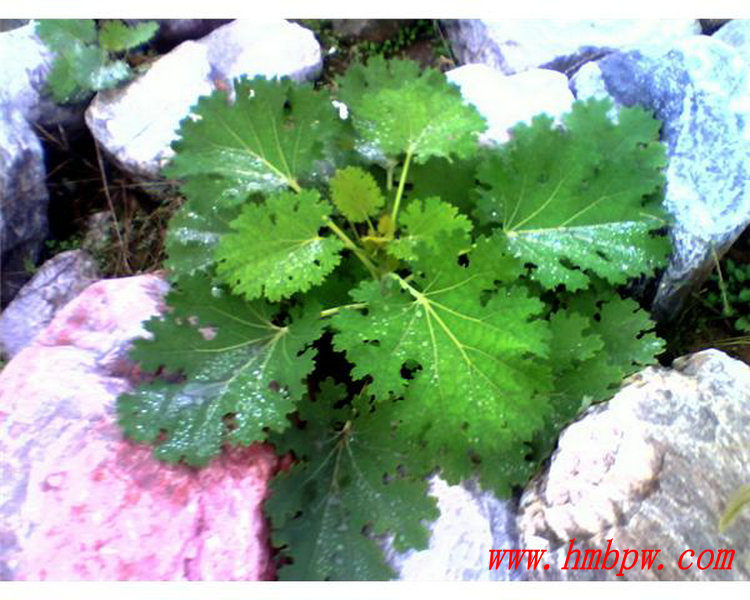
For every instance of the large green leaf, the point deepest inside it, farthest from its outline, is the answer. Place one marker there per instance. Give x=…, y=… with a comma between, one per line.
x=475, y=366
x=264, y=139
x=198, y=225
x=583, y=197
x=276, y=249
x=241, y=372
x=399, y=111
x=355, y=478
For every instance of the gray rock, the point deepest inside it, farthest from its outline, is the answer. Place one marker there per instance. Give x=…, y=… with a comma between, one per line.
x=57, y=282
x=700, y=89
x=516, y=45
x=10, y=24
x=137, y=123
x=652, y=468
x=23, y=201
x=471, y=523
x=505, y=101
x=26, y=64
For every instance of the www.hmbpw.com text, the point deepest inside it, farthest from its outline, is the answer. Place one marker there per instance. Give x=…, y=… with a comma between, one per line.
x=612, y=559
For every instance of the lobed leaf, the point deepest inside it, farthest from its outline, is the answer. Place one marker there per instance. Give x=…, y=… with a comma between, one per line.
x=241, y=373
x=356, y=194
x=263, y=139
x=354, y=480
x=275, y=249
x=399, y=111
x=116, y=36
x=583, y=198
x=473, y=386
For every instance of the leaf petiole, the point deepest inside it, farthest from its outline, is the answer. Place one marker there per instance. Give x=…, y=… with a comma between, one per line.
x=361, y=255
x=401, y=185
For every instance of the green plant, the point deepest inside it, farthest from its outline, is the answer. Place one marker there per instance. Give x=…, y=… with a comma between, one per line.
x=381, y=298
x=729, y=294
x=89, y=59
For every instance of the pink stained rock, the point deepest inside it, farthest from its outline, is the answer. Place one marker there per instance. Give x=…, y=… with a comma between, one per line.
x=77, y=501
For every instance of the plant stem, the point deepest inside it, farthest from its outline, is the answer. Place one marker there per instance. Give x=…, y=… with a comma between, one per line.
x=401, y=184
x=332, y=311
x=353, y=247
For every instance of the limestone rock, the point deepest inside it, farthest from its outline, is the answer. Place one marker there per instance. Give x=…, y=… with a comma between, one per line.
x=23, y=201
x=516, y=45
x=56, y=283
x=652, y=468
x=77, y=502
x=471, y=523
x=505, y=101
x=137, y=123
x=700, y=89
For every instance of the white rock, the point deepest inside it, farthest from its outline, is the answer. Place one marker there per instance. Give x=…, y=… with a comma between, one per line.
x=471, y=523
x=505, y=101
x=516, y=45
x=736, y=33
x=652, y=468
x=254, y=47
x=137, y=124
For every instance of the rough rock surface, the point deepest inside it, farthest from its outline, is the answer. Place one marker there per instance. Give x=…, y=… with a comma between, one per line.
x=516, y=45
x=652, y=468
x=137, y=123
x=23, y=201
x=700, y=89
x=736, y=33
x=505, y=101
x=471, y=522
x=79, y=503
x=56, y=283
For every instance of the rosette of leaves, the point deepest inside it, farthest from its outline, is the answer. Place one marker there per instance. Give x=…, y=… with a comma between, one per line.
x=398, y=319
x=90, y=58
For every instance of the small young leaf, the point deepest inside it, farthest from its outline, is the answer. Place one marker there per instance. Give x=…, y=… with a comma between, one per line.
x=237, y=365
x=424, y=221
x=80, y=66
x=356, y=194
x=276, y=250
x=116, y=36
